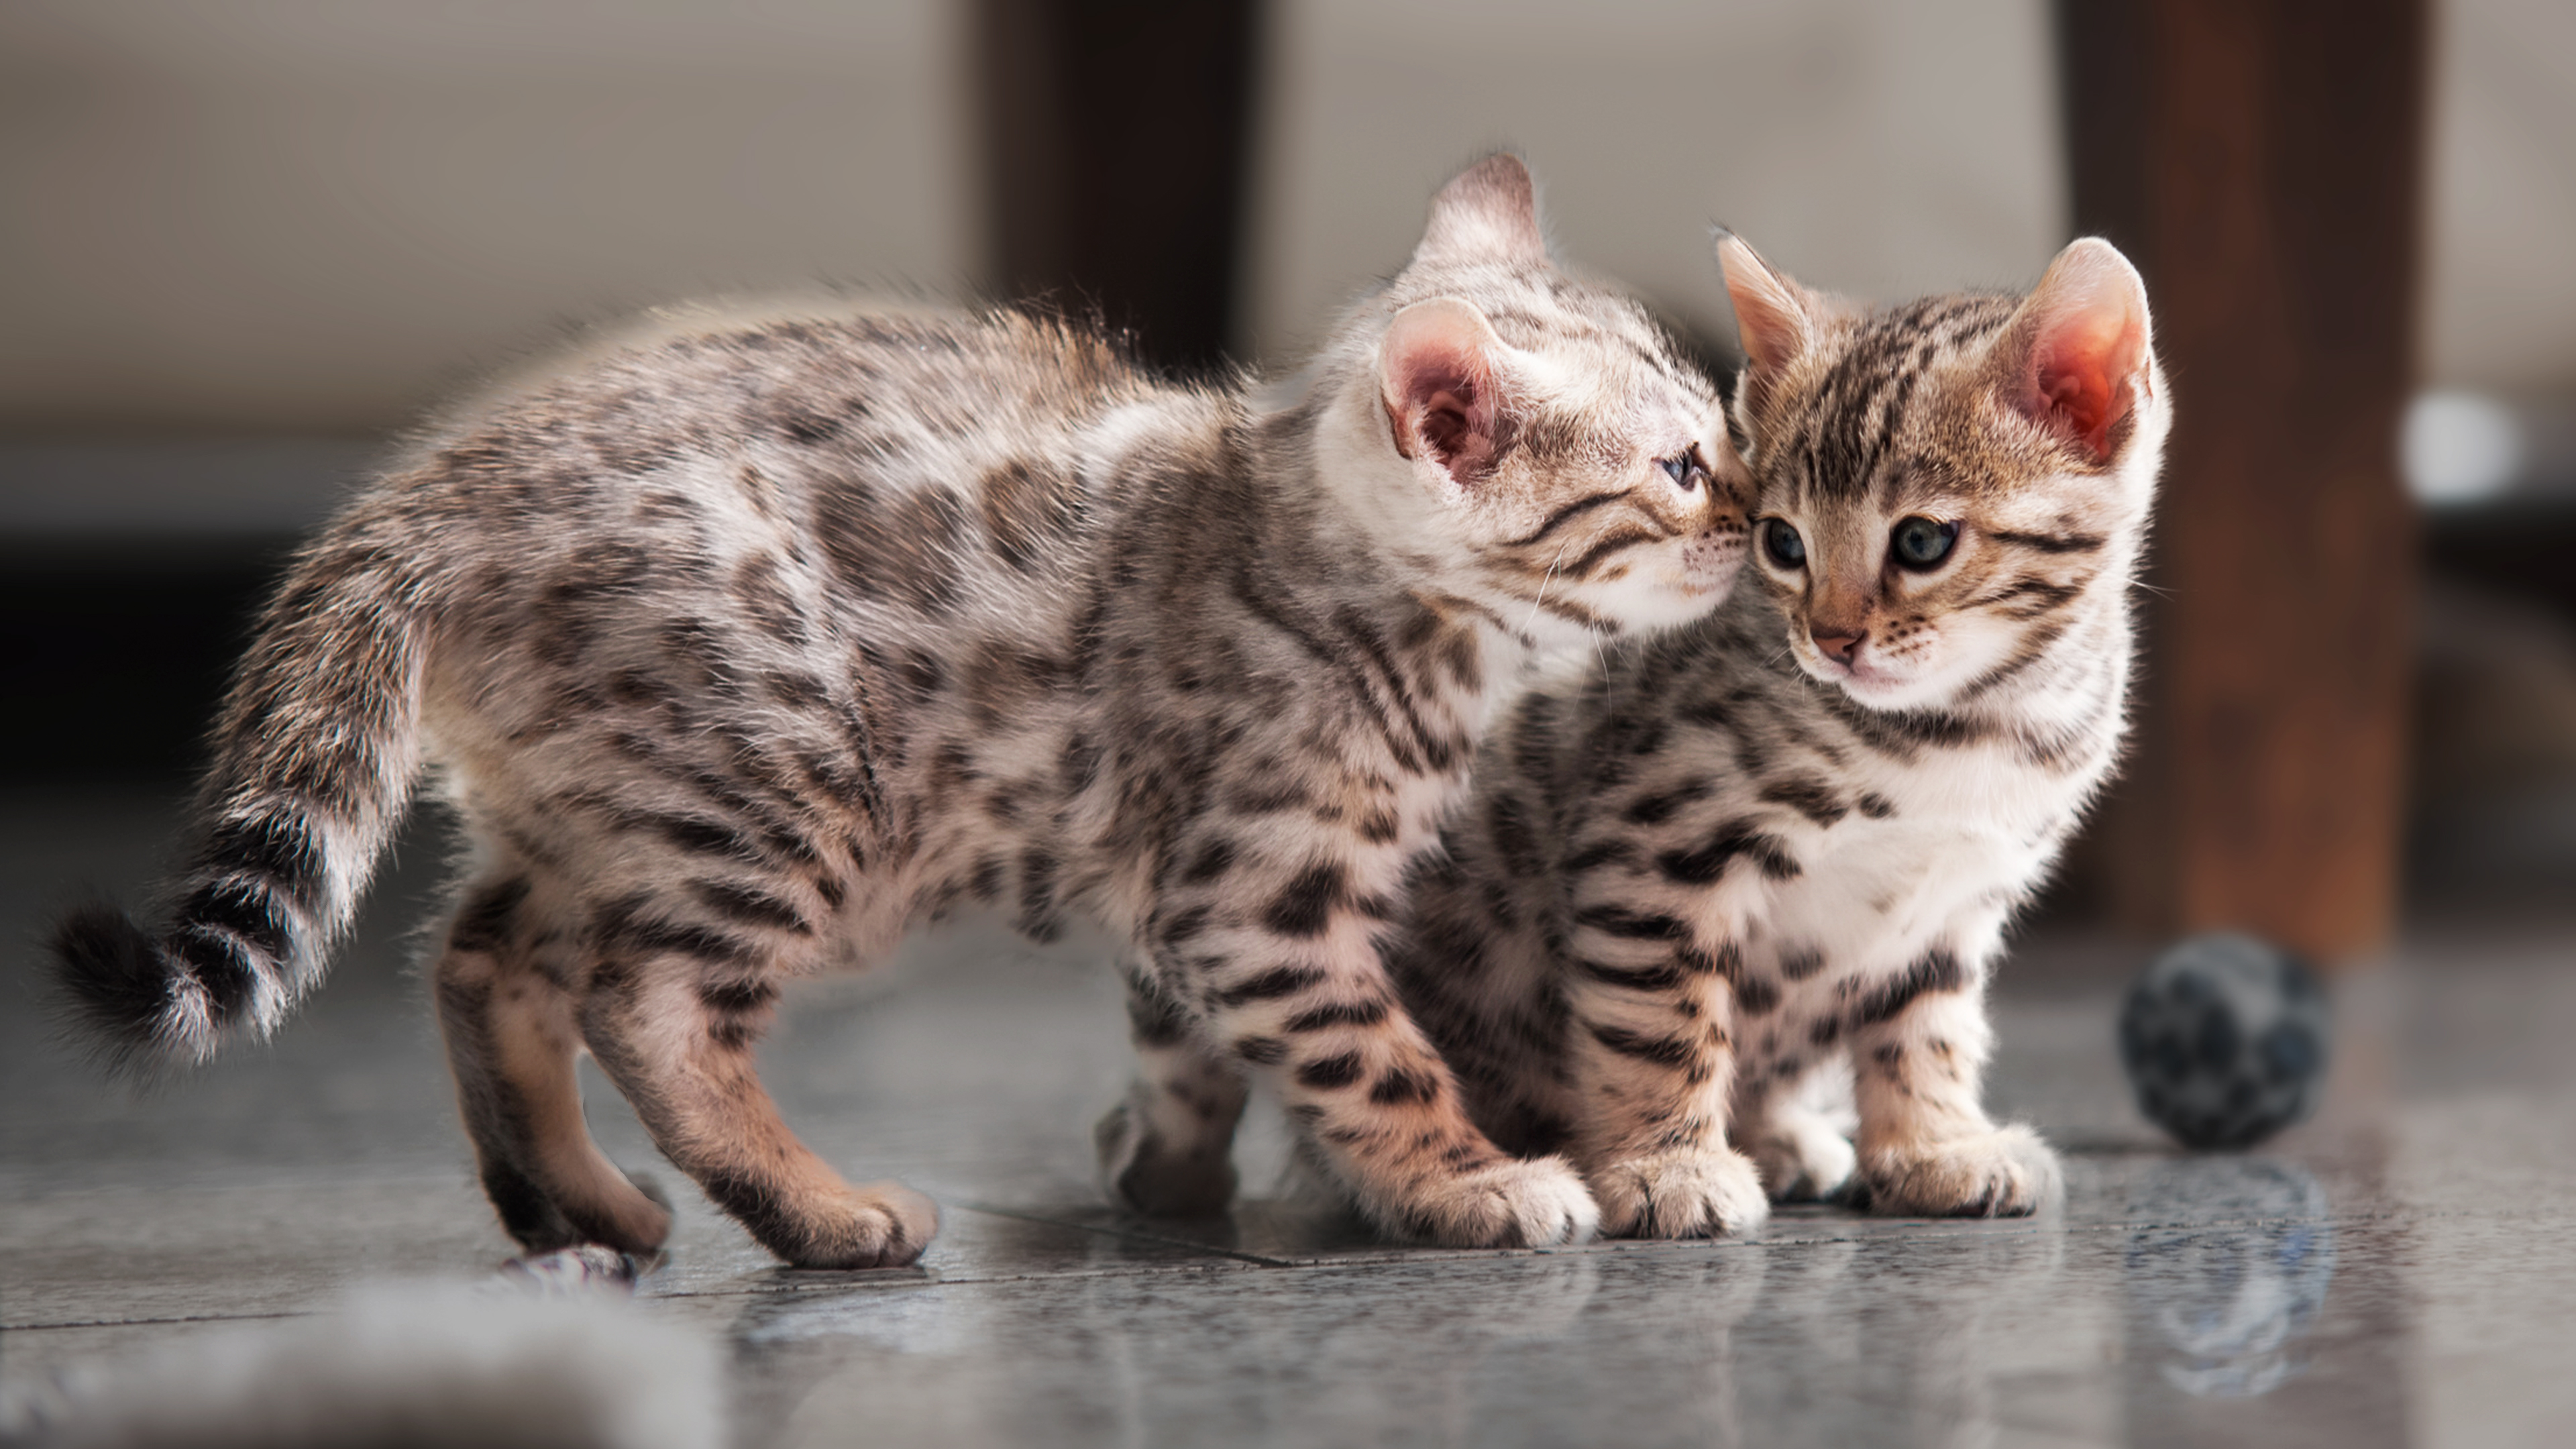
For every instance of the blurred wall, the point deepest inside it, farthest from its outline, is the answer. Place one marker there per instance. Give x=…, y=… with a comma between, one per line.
x=307, y=216
x=1879, y=147
x=2501, y=294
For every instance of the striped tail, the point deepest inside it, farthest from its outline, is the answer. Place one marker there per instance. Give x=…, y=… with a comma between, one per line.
x=314, y=758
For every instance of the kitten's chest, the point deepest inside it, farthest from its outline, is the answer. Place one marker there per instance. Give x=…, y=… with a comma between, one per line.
x=1872, y=892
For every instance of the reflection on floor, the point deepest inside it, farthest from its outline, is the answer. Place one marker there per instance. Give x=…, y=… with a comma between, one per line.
x=2396, y=1271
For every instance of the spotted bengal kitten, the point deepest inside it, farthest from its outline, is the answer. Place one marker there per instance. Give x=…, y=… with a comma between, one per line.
x=745, y=650
x=1787, y=841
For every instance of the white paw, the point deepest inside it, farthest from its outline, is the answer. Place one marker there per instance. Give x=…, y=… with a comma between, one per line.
x=1515, y=1203
x=2005, y=1173
x=1801, y=1157
x=1695, y=1193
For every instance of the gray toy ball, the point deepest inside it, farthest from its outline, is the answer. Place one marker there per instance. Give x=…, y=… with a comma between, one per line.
x=2225, y=1040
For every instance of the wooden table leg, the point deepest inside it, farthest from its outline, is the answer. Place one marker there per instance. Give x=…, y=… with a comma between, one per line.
x=2261, y=160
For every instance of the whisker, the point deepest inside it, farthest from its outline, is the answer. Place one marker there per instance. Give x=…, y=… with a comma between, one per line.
x=1543, y=583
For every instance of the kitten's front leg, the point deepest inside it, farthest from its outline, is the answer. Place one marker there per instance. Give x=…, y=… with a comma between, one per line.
x=1919, y=1042
x=1648, y=1037
x=1298, y=987
x=1167, y=1151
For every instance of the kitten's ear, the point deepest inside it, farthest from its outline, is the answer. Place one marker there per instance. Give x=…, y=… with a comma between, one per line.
x=1487, y=213
x=1775, y=317
x=1439, y=372
x=2075, y=360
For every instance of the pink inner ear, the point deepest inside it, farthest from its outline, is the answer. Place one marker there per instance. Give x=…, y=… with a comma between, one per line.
x=1441, y=399
x=2083, y=364
x=1448, y=419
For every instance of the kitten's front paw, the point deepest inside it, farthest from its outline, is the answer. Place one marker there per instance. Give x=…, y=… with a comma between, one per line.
x=1143, y=1173
x=2006, y=1173
x=1686, y=1194
x=1515, y=1203
x=1801, y=1158
x=880, y=1225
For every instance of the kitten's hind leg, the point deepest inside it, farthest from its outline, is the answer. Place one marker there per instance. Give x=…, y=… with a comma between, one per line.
x=1167, y=1151
x=675, y=1032
x=512, y=1043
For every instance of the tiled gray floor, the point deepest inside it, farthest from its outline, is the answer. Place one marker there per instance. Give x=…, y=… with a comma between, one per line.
x=2395, y=1272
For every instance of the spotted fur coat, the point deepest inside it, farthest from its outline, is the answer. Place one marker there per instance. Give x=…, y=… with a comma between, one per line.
x=1784, y=844
x=745, y=648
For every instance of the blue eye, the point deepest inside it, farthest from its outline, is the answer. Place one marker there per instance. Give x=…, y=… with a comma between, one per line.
x=1921, y=543
x=1782, y=543
x=1683, y=470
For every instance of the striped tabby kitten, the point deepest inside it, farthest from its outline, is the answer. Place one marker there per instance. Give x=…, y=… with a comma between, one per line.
x=746, y=650
x=1787, y=841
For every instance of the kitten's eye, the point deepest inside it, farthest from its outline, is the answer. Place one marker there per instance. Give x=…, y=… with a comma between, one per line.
x=1782, y=543
x=1684, y=470
x=1921, y=543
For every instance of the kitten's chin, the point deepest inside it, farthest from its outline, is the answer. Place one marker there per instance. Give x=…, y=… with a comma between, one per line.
x=1877, y=688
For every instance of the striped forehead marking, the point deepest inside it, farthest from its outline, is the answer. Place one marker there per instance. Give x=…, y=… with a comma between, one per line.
x=1846, y=425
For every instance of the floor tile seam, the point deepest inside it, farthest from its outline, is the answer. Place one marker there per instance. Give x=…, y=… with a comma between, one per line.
x=184, y=1318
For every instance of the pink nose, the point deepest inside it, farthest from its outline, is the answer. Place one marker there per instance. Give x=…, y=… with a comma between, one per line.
x=1838, y=647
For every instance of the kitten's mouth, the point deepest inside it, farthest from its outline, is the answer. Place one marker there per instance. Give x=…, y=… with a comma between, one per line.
x=1859, y=676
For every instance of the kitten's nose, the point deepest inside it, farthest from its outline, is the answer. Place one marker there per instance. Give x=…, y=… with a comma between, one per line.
x=1838, y=647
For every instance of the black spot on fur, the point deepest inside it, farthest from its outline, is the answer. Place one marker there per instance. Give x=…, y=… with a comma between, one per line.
x=1153, y=1019
x=1615, y=921
x=220, y=966
x=242, y=909
x=1935, y=970
x=1756, y=995
x=1403, y=1086
x=1810, y=797
x=1178, y=928
x=1657, y=808
x=1339, y=1013
x=1305, y=907
x=623, y=928
x=1801, y=963
x=751, y=907
x=1270, y=985
x=2049, y=543
x=1328, y=1073
x=484, y=922
x=1735, y=840
x=1214, y=859
x=737, y=998
x=1663, y=1051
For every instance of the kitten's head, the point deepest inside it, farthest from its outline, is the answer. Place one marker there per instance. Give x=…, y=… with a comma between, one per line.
x=1535, y=440
x=1944, y=489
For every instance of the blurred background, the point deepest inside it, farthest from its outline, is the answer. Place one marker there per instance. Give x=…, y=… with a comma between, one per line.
x=244, y=242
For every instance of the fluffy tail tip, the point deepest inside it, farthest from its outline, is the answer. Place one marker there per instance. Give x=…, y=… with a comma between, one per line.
x=115, y=987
